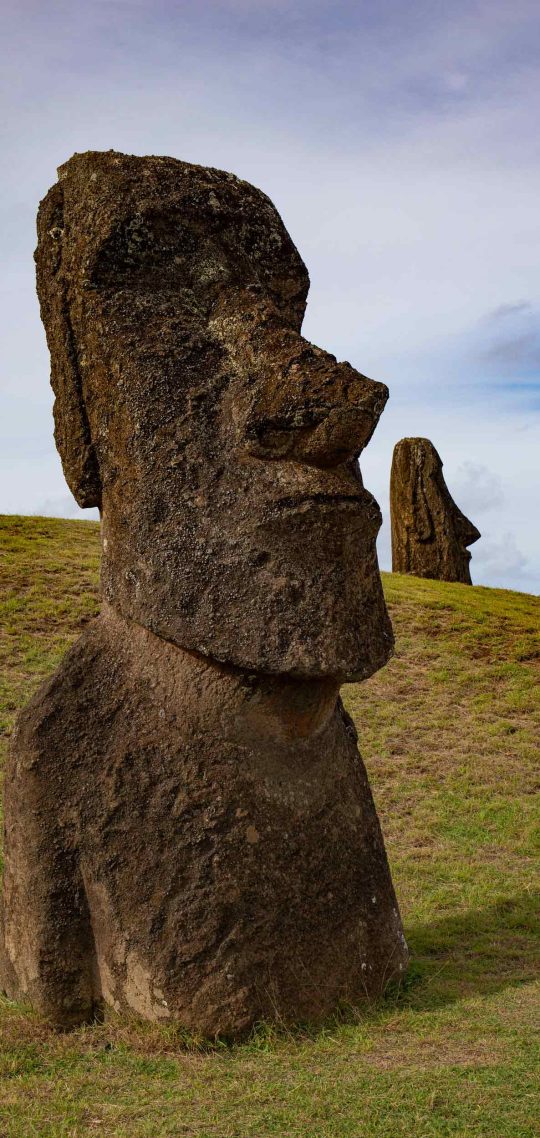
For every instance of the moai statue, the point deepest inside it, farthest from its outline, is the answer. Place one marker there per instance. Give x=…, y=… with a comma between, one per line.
x=430, y=535
x=189, y=829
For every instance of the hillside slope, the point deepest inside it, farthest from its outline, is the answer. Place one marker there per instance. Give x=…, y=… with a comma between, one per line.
x=449, y=731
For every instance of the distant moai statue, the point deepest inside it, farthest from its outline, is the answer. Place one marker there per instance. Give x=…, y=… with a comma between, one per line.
x=430, y=535
x=189, y=829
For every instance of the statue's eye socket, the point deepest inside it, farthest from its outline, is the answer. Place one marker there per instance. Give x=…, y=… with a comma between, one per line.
x=145, y=245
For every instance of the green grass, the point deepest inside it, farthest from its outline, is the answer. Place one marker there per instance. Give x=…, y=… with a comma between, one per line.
x=449, y=731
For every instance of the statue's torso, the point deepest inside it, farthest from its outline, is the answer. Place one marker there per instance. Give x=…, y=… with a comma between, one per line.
x=212, y=869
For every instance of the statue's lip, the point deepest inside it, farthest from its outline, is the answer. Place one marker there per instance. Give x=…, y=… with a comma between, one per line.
x=286, y=484
x=288, y=480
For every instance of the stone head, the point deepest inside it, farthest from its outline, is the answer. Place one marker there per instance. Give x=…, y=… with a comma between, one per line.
x=430, y=534
x=220, y=446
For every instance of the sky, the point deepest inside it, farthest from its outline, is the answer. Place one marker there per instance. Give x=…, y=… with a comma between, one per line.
x=399, y=141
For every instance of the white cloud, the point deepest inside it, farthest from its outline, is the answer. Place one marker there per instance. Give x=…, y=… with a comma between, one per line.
x=64, y=506
x=500, y=560
x=477, y=488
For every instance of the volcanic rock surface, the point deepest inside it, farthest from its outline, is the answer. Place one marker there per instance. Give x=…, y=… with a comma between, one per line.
x=189, y=830
x=430, y=534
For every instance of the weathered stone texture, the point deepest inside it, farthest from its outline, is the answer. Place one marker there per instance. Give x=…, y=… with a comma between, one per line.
x=191, y=842
x=430, y=535
x=218, y=442
x=189, y=828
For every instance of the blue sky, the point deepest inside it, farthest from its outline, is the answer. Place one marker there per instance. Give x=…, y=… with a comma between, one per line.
x=399, y=142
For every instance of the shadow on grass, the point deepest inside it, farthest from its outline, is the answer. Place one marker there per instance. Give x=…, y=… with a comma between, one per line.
x=475, y=953
x=478, y=952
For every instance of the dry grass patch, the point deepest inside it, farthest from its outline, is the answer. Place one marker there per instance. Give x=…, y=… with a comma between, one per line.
x=449, y=731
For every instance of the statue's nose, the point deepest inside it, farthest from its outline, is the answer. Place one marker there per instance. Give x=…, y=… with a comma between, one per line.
x=308, y=407
x=467, y=532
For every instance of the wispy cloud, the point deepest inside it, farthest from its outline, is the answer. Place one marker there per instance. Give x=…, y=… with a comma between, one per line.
x=509, y=342
x=505, y=312
x=64, y=506
x=478, y=486
x=501, y=559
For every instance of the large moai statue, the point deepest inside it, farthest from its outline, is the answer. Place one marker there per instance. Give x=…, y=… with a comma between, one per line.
x=430, y=535
x=189, y=829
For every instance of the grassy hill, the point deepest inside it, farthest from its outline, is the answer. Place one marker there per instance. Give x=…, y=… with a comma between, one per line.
x=449, y=731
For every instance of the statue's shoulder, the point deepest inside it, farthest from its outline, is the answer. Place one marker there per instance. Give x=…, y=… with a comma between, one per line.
x=52, y=717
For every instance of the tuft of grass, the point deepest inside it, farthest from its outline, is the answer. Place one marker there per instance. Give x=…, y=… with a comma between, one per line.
x=449, y=732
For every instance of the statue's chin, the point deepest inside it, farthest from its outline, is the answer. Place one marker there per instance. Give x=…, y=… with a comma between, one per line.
x=303, y=600
x=287, y=647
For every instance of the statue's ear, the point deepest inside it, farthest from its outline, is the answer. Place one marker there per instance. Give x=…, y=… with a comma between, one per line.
x=71, y=427
x=422, y=514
